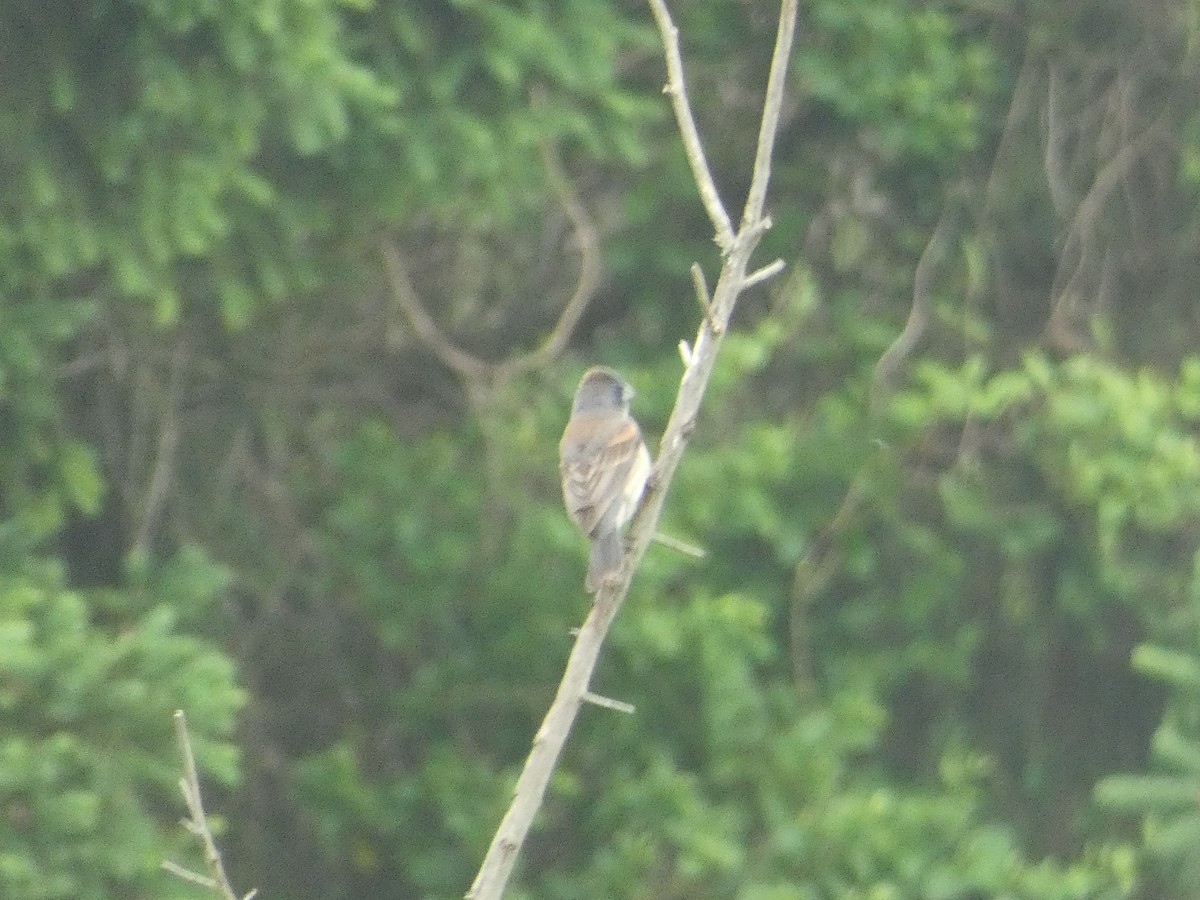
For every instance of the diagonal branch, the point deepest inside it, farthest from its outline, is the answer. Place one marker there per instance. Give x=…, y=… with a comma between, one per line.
x=756, y=197
x=216, y=881
x=552, y=735
x=1079, y=248
x=165, y=457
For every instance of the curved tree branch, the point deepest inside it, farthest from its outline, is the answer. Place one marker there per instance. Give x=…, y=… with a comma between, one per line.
x=884, y=377
x=466, y=366
x=470, y=368
x=552, y=735
x=589, y=268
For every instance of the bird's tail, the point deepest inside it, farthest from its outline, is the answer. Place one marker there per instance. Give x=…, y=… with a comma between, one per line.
x=604, y=560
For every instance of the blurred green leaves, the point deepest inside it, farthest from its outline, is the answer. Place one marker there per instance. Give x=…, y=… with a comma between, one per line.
x=198, y=362
x=88, y=764
x=912, y=73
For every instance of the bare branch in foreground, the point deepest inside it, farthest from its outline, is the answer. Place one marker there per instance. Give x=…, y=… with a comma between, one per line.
x=189, y=785
x=692, y=144
x=768, y=271
x=736, y=248
x=679, y=546
x=609, y=703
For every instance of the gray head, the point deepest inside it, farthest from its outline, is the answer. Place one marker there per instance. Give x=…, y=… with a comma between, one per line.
x=602, y=388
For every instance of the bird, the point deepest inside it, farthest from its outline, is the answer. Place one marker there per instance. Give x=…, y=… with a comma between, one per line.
x=604, y=465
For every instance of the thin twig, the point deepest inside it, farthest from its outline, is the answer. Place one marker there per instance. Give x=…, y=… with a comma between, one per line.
x=919, y=314
x=679, y=546
x=609, y=703
x=1053, y=160
x=1079, y=245
x=164, y=458
x=189, y=786
x=816, y=567
x=702, y=295
x=470, y=368
x=701, y=284
x=781, y=58
x=768, y=271
x=552, y=735
x=188, y=875
x=692, y=144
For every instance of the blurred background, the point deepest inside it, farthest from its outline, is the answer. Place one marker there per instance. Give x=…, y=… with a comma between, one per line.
x=945, y=642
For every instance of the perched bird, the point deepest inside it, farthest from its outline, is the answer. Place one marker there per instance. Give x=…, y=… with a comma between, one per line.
x=604, y=465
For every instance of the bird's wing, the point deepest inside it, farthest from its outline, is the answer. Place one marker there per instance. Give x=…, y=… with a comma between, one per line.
x=594, y=475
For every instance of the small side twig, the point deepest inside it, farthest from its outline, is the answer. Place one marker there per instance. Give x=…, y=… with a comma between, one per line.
x=189, y=785
x=609, y=703
x=679, y=546
x=768, y=271
x=703, y=297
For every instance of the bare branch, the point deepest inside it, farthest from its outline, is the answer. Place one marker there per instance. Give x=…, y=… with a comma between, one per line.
x=547, y=745
x=1020, y=107
x=821, y=559
x=189, y=785
x=1056, y=139
x=699, y=362
x=1080, y=247
x=780, y=59
x=692, y=144
x=471, y=369
x=609, y=703
x=768, y=271
x=164, y=458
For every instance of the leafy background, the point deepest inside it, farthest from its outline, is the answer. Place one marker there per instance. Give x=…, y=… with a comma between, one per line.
x=234, y=481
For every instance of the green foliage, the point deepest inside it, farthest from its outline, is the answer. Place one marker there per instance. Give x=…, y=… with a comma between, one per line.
x=1164, y=798
x=912, y=698
x=913, y=73
x=162, y=147
x=44, y=472
x=88, y=766
x=480, y=86
x=1114, y=445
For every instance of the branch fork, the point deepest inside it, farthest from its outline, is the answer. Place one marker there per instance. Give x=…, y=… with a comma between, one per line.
x=699, y=360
